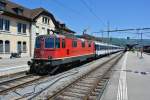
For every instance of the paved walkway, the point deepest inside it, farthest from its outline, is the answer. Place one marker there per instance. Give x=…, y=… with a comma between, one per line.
x=9, y=66
x=130, y=80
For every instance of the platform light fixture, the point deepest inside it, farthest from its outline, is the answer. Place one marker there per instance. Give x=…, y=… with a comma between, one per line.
x=1, y=12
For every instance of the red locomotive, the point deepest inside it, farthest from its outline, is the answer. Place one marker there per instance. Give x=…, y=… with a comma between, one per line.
x=55, y=51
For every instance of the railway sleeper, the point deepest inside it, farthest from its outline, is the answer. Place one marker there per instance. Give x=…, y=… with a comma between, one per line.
x=73, y=94
x=92, y=98
x=84, y=84
x=78, y=91
x=82, y=88
x=95, y=76
x=97, y=90
x=87, y=81
x=67, y=98
x=99, y=87
x=96, y=93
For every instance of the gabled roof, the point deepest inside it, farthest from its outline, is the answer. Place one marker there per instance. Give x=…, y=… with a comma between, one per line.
x=10, y=6
x=30, y=14
x=39, y=11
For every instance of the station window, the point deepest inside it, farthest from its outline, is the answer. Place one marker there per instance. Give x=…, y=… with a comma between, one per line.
x=1, y=46
x=48, y=31
x=24, y=47
x=4, y=24
x=63, y=43
x=19, y=47
x=24, y=26
x=74, y=43
x=21, y=28
x=45, y=20
x=7, y=46
x=2, y=5
x=49, y=42
x=1, y=24
x=57, y=43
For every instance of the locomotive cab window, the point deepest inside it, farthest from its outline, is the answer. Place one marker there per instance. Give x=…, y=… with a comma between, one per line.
x=83, y=44
x=37, y=43
x=74, y=43
x=89, y=44
x=57, y=43
x=49, y=42
x=63, y=43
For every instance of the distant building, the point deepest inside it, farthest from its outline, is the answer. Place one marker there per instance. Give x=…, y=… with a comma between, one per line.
x=20, y=25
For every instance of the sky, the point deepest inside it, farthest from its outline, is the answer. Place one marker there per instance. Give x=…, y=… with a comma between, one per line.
x=94, y=15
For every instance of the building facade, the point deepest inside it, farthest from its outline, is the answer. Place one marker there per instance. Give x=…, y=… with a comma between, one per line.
x=19, y=27
x=14, y=36
x=43, y=22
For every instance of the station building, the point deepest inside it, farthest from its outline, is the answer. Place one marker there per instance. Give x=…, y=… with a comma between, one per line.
x=19, y=27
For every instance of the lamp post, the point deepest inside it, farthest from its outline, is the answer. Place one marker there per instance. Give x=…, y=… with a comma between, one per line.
x=141, y=45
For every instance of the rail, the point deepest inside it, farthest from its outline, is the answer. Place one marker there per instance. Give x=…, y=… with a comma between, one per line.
x=89, y=85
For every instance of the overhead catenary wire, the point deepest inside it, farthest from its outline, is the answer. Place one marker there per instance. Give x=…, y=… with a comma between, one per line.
x=92, y=12
x=67, y=7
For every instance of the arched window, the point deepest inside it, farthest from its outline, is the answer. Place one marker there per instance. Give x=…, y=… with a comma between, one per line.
x=1, y=46
x=24, y=47
x=19, y=47
x=7, y=46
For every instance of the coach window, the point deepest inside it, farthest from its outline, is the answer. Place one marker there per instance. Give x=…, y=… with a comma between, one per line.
x=49, y=42
x=7, y=46
x=74, y=43
x=57, y=43
x=1, y=46
x=101, y=47
x=96, y=47
x=83, y=44
x=63, y=43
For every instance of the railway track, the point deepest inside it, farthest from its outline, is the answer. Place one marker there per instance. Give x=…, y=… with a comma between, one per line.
x=14, y=83
x=90, y=86
x=12, y=76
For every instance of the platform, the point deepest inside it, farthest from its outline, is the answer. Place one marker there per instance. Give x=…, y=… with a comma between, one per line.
x=130, y=79
x=10, y=66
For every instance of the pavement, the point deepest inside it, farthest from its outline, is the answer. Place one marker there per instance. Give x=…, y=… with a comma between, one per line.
x=10, y=66
x=130, y=79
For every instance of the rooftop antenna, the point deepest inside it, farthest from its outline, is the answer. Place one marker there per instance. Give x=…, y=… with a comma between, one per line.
x=85, y=30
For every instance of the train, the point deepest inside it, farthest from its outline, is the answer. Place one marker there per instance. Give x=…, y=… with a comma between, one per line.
x=55, y=51
x=146, y=48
